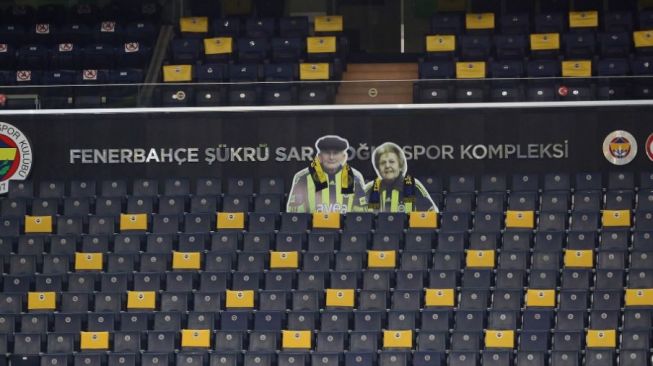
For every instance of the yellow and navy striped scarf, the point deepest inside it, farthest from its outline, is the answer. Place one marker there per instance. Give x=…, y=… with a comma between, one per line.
x=408, y=192
x=321, y=180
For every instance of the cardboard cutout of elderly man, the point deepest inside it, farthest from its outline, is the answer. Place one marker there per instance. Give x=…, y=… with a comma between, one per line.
x=394, y=190
x=328, y=184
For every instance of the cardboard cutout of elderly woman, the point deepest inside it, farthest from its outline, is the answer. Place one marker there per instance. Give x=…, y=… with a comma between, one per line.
x=328, y=184
x=394, y=190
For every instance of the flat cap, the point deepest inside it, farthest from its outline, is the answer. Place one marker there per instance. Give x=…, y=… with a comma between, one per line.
x=332, y=142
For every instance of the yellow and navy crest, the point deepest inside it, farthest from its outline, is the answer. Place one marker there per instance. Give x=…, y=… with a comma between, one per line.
x=619, y=147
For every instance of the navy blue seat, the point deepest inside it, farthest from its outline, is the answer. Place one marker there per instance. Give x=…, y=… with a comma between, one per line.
x=252, y=49
x=579, y=45
x=92, y=76
x=185, y=50
x=141, y=31
x=243, y=72
x=225, y=27
x=87, y=13
x=296, y=26
x=108, y=31
x=642, y=66
x=618, y=21
x=447, y=23
x=66, y=56
x=260, y=27
x=515, y=24
x=646, y=19
x=287, y=49
x=126, y=76
x=511, y=46
x=360, y=358
x=51, y=13
x=40, y=33
x=506, y=69
x=475, y=47
x=280, y=72
x=210, y=72
x=12, y=32
x=550, y=23
x=99, y=56
x=615, y=44
x=133, y=54
x=60, y=97
x=59, y=77
x=25, y=77
x=543, y=68
x=32, y=56
x=76, y=32
x=21, y=13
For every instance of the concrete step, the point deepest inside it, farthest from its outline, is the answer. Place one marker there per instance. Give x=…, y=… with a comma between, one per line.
x=377, y=92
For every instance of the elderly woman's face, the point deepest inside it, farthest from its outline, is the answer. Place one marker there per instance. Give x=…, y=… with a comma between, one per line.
x=389, y=167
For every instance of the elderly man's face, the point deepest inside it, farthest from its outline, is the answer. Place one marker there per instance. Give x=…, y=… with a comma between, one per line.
x=331, y=160
x=389, y=166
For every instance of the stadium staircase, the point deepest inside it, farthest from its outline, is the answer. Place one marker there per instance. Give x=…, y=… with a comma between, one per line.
x=381, y=89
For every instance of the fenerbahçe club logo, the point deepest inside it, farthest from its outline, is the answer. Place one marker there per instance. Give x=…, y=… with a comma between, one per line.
x=620, y=147
x=15, y=155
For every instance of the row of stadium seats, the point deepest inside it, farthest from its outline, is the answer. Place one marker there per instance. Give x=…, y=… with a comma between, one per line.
x=296, y=26
x=333, y=319
x=445, y=69
x=352, y=239
x=306, y=290
x=583, y=181
x=330, y=321
x=55, y=45
x=79, y=77
x=538, y=46
x=446, y=263
x=554, y=22
x=212, y=187
x=86, y=13
x=485, y=202
x=165, y=340
x=248, y=94
x=593, y=357
x=524, y=92
x=101, y=32
x=256, y=50
x=544, y=83
x=76, y=290
x=250, y=73
x=490, y=221
x=72, y=57
x=550, y=249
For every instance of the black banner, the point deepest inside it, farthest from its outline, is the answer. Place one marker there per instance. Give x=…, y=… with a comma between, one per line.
x=279, y=143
